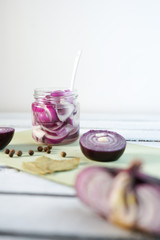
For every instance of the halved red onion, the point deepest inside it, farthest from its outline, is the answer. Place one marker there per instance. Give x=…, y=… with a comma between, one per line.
x=148, y=218
x=102, y=145
x=6, y=135
x=91, y=189
x=122, y=196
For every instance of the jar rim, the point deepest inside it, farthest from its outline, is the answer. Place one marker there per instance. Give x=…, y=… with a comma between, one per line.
x=42, y=92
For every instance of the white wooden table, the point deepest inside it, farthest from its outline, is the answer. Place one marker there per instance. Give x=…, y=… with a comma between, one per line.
x=34, y=208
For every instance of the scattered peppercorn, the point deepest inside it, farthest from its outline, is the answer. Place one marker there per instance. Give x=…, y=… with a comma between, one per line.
x=6, y=151
x=31, y=152
x=45, y=149
x=49, y=147
x=63, y=154
x=11, y=154
x=19, y=153
x=12, y=150
x=48, y=151
x=40, y=149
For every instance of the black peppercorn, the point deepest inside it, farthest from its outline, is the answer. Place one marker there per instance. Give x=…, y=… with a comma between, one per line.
x=6, y=151
x=63, y=154
x=11, y=154
x=49, y=147
x=19, y=153
x=31, y=152
x=12, y=150
x=45, y=149
x=40, y=149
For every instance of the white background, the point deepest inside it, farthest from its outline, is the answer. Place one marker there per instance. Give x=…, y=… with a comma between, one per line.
x=119, y=70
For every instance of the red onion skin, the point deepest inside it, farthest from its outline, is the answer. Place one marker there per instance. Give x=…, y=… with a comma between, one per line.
x=102, y=156
x=143, y=178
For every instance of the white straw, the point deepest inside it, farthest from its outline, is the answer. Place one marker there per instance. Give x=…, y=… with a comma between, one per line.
x=76, y=62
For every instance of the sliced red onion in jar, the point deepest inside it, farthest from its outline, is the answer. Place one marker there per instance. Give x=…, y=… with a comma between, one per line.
x=60, y=96
x=37, y=133
x=54, y=128
x=102, y=145
x=54, y=120
x=64, y=111
x=57, y=93
x=45, y=114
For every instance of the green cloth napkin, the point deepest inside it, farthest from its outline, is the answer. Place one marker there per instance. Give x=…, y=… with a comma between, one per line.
x=23, y=141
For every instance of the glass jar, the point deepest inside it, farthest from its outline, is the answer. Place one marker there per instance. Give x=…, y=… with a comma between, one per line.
x=55, y=116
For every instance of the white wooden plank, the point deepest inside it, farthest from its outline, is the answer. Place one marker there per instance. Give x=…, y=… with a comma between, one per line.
x=46, y=215
x=126, y=125
x=12, y=180
x=120, y=117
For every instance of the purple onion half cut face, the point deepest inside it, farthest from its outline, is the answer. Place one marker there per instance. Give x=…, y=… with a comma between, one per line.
x=102, y=145
x=6, y=135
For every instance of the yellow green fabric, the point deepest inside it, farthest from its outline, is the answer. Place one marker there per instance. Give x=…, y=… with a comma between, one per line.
x=23, y=141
